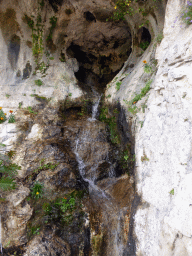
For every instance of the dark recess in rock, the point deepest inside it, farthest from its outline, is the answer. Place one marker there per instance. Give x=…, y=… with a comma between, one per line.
x=13, y=51
x=27, y=70
x=145, y=35
x=89, y=16
x=55, y=4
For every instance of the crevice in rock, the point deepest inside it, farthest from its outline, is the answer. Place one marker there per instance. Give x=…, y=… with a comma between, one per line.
x=89, y=16
x=13, y=51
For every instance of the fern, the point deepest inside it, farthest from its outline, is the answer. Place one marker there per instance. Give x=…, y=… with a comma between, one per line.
x=8, y=171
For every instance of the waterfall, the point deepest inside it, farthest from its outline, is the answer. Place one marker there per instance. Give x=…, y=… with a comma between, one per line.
x=95, y=109
x=82, y=166
x=1, y=248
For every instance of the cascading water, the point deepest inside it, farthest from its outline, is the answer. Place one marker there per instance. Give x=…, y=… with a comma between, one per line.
x=85, y=139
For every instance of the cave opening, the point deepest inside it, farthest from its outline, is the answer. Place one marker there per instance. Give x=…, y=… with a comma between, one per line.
x=97, y=70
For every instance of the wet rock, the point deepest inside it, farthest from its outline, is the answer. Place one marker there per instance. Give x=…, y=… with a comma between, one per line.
x=47, y=243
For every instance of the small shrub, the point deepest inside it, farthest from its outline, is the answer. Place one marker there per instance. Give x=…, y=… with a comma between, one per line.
x=37, y=190
x=186, y=13
x=38, y=82
x=7, y=95
x=172, y=192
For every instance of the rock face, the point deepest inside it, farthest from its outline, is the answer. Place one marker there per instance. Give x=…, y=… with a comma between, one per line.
x=155, y=219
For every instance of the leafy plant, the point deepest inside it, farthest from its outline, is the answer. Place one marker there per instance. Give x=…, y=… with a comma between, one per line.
x=122, y=8
x=172, y=192
x=11, y=119
x=45, y=166
x=37, y=190
x=111, y=122
x=7, y=95
x=8, y=171
x=2, y=116
x=53, y=22
x=186, y=13
x=148, y=69
x=38, y=82
x=64, y=208
x=118, y=84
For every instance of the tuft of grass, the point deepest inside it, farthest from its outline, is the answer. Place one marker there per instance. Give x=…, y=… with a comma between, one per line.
x=7, y=95
x=172, y=191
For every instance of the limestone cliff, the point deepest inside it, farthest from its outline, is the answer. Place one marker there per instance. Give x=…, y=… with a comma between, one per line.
x=56, y=59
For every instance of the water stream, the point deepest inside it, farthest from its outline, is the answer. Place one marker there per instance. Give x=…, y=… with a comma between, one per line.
x=113, y=216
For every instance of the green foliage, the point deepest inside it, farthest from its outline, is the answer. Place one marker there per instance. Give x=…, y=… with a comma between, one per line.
x=45, y=166
x=186, y=13
x=127, y=159
x=108, y=96
x=159, y=37
x=28, y=20
x=144, y=91
x=144, y=45
x=53, y=22
x=111, y=122
x=62, y=57
x=2, y=145
x=8, y=171
x=37, y=190
x=38, y=82
x=2, y=116
x=122, y=8
x=64, y=208
x=148, y=69
x=29, y=108
x=172, y=192
x=7, y=95
x=20, y=104
x=118, y=84
x=11, y=119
